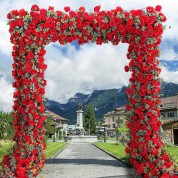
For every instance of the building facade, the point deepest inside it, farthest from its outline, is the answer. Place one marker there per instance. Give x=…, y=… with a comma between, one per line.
x=169, y=108
x=169, y=119
x=113, y=119
x=60, y=123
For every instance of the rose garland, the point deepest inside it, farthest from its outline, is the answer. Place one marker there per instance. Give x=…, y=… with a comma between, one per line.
x=31, y=32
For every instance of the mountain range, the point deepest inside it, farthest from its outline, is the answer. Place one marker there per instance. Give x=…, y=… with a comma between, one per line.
x=101, y=100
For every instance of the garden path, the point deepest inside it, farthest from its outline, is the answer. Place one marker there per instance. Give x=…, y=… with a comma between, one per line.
x=84, y=160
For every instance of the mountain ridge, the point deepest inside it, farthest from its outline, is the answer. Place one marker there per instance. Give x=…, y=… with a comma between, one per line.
x=101, y=100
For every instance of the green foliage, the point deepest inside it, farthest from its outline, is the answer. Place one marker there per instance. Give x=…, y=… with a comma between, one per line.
x=123, y=129
x=48, y=127
x=89, y=121
x=6, y=125
x=3, y=124
x=51, y=150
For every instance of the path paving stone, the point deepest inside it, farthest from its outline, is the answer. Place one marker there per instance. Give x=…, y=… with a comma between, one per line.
x=83, y=160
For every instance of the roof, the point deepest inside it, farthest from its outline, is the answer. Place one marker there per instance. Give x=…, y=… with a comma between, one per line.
x=55, y=116
x=170, y=121
x=117, y=111
x=169, y=103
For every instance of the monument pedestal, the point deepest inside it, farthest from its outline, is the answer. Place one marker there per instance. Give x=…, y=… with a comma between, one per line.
x=82, y=139
x=79, y=130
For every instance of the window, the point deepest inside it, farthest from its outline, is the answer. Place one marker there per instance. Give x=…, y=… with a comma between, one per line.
x=170, y=114
x=163, y=115
x=108, y=125
x=113, y=119
x=114, y=125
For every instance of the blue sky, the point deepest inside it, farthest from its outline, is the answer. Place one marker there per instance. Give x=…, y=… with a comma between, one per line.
x=74, y=68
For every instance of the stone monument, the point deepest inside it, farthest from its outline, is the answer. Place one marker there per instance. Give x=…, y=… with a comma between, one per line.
x=79, y=130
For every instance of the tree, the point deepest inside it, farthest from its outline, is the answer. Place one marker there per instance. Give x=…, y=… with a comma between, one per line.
x=10, y=127
x=48, y=127
x=3, y=124
x=89, y=120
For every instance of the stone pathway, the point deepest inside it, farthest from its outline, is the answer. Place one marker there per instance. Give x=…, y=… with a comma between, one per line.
x=83, y=160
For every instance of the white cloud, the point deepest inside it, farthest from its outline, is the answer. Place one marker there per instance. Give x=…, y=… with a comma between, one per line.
x=168, y=76
x=92, y=67
x=6, y=95
x=5, y=45
x=168, y=52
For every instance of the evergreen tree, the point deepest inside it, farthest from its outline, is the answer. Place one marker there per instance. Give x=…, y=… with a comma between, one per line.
x=89, y=121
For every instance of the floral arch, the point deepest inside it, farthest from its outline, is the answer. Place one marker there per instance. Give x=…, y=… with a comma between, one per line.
x=32, y=31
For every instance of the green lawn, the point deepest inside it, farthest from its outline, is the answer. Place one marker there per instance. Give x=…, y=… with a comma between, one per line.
x=52, y=148
x=4, y=147
x=173, y=151
x=119, y=150
x=111, y=138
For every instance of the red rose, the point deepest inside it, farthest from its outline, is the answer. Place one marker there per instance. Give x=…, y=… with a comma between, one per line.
x=15, y=12
x=22, y=12
x=150, y=9
x=165, y=175
x=42, y=52
x=21, y=172
x=82, y=9
x=158, y=8
x=59, y=13
x=72, y=14
x=35, y=8
x=43, y=11
x=20, y=22
x=67, y=8
x=112, y=23
x=126, y=68
x=97, y=8
x=163, y=17
x=9, y=16
x=50, y=8
x=30, y=55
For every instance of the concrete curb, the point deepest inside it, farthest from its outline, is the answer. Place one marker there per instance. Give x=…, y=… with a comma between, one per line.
x=59, y=152
x=113, y=156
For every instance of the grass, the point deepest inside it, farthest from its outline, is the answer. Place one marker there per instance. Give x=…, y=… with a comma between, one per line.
x=117, y=150
x=52, y=148
x=173, y=151
x=4, y=147
x=111, y=138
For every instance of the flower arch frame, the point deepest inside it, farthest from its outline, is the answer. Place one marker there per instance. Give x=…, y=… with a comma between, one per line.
x=32, y=31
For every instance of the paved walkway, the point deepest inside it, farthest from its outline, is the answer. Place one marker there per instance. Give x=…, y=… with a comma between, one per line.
x=83, y=160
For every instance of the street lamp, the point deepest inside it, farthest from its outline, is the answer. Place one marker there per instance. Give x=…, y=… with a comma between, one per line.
x=105, y=125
